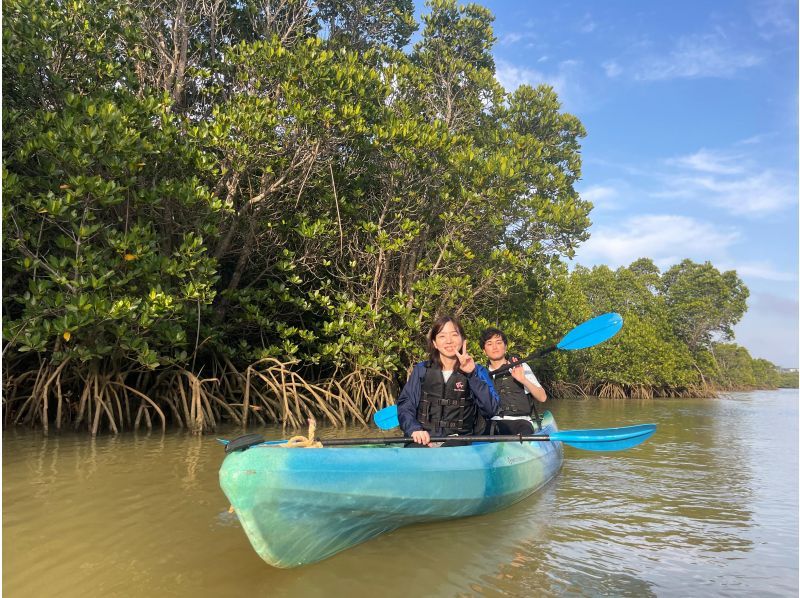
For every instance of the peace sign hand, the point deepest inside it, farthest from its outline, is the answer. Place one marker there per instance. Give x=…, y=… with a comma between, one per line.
x=465, y=361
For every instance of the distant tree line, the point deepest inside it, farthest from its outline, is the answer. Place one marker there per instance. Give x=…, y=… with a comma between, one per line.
x=252, y=210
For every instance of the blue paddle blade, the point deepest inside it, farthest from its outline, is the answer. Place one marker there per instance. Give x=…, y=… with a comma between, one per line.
x=592, y=332
x=608, y=439
x=386, y=418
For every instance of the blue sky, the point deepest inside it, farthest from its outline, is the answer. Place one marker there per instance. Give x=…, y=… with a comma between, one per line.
x=691, y=110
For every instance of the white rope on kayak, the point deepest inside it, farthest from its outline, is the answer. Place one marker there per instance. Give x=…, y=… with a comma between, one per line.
x=303, y=441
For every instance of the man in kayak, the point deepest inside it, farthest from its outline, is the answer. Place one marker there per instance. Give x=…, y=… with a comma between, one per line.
x=449, y=394
x=518, y=387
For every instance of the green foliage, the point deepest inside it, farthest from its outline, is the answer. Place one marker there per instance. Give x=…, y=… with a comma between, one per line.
x=788, y=380
x=670, y=320
x=736, y=369
x=52, y=49
x=645, y=353
x=703, y=302
x=366, y=24
x=105, y=238
x=328, y=195
x=188, y=184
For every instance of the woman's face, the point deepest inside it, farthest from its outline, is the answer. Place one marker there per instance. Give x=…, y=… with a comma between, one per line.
x=448, y=340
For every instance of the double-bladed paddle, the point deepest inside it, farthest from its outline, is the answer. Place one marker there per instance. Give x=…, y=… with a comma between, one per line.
x=590, y=333
x=601, y=439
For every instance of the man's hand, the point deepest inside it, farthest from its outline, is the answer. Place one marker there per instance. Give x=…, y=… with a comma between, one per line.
x=518, y=373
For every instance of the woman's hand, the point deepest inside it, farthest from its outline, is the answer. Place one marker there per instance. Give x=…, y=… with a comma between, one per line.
x=465, y=361
x=421, y=437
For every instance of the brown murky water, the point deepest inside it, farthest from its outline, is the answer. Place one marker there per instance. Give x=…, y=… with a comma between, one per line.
x=707, y=507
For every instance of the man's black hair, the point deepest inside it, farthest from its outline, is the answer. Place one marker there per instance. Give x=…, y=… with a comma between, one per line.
x=492, y=332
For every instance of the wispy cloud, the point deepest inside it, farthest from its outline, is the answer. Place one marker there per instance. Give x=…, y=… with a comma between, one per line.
x=612, y=69
x=665, y=238
x=695, y=56
x=775, y=17
x=755, y=139
x=512, y=76
x=564, y=80
x=732, y=181
x=742, y=180
x=509, y=38
x=760, y=270
x=704, y=160
x=757, y=195
x=602, y=196
x=514, y=37
x=587, y=24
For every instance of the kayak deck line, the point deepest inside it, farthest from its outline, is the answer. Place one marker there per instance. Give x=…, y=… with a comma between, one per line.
x=598, y=439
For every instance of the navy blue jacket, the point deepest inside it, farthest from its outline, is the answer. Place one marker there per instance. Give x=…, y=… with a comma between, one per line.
x=480, y=386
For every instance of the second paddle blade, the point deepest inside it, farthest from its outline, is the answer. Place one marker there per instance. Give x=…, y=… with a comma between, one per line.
x=606, y=439
x=386, y=418
x=592, y=332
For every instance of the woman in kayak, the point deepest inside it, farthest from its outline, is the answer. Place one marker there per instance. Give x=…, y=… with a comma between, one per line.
x=449, y=394
x=518, y=387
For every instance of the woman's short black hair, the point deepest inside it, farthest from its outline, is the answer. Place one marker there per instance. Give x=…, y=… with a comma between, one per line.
x=491, y=333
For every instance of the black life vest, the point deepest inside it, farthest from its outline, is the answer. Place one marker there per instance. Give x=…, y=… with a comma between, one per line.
x=446, y=408
x=513, y=398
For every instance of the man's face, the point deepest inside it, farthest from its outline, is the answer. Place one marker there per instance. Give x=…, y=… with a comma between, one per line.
x=495, y=348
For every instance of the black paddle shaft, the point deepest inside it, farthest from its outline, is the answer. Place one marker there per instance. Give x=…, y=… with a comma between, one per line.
x=403, y=440
x=540, y=353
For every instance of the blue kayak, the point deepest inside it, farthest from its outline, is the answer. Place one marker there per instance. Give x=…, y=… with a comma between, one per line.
x=301, y=505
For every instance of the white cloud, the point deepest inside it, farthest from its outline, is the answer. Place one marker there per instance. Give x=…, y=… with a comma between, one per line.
x=602, y=196
x=769, y=329
x=509, y=38
x=755, y=139
x=565, y=81
x=760, y=270
x=775, y=17
x=708, y=55
x=758, y=194
x=666, y=239
x=612, y=69
x=513, y=37
x=587, y=24
x=512, y=76
x=732, y=181
x=704, y=160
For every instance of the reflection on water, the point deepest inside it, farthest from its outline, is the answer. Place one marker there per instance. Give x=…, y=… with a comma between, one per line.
x=707, y=507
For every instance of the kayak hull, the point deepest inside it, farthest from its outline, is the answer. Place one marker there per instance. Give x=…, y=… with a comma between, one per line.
x=298, y=506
